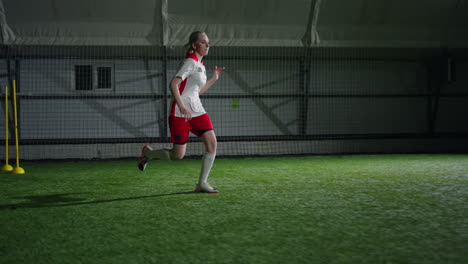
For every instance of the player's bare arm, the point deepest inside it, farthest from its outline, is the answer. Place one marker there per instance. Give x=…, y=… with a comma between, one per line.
x=175, y=83
x=217, y=72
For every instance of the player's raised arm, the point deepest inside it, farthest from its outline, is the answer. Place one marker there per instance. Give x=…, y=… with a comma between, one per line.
x=217, y=72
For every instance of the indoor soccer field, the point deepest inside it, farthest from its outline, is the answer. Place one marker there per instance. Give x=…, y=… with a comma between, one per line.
x=304, y=209
x=336, y=131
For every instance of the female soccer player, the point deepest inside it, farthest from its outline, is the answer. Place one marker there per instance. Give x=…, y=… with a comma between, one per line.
x=187, y=112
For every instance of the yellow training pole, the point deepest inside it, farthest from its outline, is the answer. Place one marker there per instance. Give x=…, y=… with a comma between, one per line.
x=6, y=167
x=17, y=169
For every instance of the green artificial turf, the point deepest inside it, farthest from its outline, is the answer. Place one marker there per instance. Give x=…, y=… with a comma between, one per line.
x=315, y=209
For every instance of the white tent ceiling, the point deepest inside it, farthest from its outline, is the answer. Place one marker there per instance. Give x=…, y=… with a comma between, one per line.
x=347, y=23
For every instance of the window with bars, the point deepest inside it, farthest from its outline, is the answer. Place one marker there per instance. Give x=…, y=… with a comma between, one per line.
x=89, y=77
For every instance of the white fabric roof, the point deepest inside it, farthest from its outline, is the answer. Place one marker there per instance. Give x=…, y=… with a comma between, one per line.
x=293, y=23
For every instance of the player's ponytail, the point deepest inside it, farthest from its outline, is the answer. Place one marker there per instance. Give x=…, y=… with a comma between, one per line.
x=192, y=39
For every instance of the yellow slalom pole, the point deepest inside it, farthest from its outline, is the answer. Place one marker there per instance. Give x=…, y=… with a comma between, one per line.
x=17, y=169
x=6, y=167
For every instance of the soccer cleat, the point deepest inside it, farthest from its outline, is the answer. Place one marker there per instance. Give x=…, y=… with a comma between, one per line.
x=205, y=188
x=142, y=160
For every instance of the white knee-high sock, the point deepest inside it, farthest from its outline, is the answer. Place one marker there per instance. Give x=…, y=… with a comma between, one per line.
x=207, y=164
x=161, y=154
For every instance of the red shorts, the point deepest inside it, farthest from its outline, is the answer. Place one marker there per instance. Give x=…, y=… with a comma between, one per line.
x=180, y=127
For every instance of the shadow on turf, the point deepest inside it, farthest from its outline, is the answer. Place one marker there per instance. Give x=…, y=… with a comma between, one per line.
x=61, y=200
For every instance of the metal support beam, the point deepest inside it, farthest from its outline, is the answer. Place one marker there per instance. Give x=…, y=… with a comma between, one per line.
x=163, y=123
x=311, y=36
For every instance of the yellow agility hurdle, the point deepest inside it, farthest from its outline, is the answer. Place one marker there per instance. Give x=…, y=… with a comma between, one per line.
x=17, y=169
x=6, y=167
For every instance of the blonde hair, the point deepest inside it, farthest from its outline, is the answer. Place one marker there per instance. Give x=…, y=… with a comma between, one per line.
x=192, y=39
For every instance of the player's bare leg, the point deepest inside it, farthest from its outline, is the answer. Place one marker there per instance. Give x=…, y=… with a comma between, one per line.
x=178, y=151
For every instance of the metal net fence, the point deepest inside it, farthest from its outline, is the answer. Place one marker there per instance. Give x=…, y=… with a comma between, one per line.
x=108, y=101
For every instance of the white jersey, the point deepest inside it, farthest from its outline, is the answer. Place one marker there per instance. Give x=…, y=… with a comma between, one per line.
x=193, y=75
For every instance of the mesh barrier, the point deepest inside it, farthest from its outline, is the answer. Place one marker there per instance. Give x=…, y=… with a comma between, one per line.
x=268, y=101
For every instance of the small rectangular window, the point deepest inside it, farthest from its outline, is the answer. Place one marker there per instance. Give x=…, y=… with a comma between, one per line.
x=83, y=77
x=104, y=77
